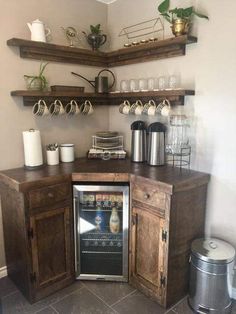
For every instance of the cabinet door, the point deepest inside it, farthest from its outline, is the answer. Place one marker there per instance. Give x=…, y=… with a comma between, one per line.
x=148, y=253
x=51, y=246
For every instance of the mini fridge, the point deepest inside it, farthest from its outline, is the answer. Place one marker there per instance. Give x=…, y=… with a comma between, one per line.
x=101, y=223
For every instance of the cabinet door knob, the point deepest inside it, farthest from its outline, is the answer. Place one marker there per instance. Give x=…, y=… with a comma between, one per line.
x=50, y=195
x=146, y=196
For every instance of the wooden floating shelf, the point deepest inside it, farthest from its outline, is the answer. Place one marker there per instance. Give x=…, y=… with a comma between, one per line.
x=176, y=97
x=167, y=48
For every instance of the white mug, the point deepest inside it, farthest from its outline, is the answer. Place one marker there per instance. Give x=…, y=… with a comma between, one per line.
x=40, y=108
x=72, y=108
x=150, y=108
x=164, y=108
x=56, y=108
x=125, y=107
x=86, y=108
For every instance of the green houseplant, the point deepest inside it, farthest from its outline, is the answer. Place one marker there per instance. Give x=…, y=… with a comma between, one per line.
x=37, y=82
x=180, y=18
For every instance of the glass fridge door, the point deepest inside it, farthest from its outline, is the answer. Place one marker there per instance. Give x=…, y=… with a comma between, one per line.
x=101, y=232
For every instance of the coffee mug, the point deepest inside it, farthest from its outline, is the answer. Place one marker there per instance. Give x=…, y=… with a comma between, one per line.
x=40, y=108
x=56, y=108
x=72, y=108
x=164, y=108
x=137, y=108
x=86, y=108
x=150, y=108
x=124, y=107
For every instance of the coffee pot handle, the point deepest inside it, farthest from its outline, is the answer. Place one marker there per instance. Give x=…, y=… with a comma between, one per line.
x=104, y=39
x=113, y=75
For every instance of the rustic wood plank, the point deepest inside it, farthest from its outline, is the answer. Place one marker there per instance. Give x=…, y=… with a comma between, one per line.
x=167, y=48
x=176, y=97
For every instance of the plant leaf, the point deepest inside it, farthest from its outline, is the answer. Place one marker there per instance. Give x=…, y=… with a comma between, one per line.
x=167, y=17
x=187, y=12
x=200, y=15
x=164, y=6
x=42, y=67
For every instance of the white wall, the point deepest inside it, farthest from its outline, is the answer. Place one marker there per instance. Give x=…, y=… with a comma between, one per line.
x=14, y=117
x=210, y=68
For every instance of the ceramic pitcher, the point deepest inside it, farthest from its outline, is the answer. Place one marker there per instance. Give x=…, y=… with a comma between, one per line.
x=38, y=31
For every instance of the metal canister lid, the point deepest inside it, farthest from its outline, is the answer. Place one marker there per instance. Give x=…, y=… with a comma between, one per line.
x=138, y=125
x=156, y=127
x=213, y=250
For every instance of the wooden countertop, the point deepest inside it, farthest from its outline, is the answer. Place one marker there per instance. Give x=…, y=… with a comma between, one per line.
x=167, y=177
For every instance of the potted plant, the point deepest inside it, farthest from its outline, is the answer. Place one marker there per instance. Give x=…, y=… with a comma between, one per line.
x=96, y=38
x=37, y=82
x=180, y=18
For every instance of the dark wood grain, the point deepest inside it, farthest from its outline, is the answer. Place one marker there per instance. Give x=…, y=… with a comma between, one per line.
x=176, y=97
x=162, y=199
x=187, y=222
x=168, y=178
x=167, y=48
x=38, y=235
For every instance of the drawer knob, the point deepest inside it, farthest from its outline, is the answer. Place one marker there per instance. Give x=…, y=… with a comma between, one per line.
x=50, y=195
x=146, y=196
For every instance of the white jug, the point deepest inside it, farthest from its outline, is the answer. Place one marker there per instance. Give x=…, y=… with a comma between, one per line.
x=38, y=31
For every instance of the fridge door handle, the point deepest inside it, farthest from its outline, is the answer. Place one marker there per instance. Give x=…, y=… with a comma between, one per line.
x=75, y=232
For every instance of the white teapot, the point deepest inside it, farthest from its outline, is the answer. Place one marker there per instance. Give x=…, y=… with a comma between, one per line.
x=38, y=31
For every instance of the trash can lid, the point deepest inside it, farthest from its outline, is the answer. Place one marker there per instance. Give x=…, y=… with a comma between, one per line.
x=213, y=250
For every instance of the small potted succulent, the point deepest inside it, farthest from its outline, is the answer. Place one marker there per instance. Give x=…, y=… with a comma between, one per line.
x=96, y=38
x=180, y=18
x=37, y=82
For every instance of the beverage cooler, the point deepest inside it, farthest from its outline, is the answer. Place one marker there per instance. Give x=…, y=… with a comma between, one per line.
x=101, y=215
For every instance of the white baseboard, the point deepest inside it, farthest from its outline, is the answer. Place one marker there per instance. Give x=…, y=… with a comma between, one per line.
x=3, y=272
x=233, y=293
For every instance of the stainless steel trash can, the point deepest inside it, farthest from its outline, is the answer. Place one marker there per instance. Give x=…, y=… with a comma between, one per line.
x=212, y=262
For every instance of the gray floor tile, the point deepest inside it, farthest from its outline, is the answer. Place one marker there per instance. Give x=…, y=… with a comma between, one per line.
x=6, y=286
x=182, y=307
x=16, y=302
x=47, y=310
x=234, y=307
x=110, y=292
x=139, y=304
x=83, y=302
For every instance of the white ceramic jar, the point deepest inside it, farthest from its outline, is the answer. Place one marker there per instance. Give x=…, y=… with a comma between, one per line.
x=67, y=152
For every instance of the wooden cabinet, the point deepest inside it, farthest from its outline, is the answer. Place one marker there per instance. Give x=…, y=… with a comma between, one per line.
x=164, y=222
x=167, y=212
x=40, y=257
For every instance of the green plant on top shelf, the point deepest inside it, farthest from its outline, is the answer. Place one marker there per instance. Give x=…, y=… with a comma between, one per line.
x=95, y=29
x=37, y=82
x=180, y=18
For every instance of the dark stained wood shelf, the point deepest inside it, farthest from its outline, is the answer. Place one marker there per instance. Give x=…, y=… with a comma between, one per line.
x=176, y=97
x=167, y=48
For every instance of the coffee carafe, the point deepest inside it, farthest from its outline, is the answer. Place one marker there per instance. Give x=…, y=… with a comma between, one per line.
x=138, y=142
x=156, y=144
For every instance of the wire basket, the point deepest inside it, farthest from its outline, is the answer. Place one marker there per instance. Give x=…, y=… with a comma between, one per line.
x=108, y=143
x=147, y=31
x=181, y=159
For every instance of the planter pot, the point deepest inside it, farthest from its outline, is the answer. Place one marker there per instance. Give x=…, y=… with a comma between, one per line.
x=96, y=40
x=35, y=83
x=180, y=27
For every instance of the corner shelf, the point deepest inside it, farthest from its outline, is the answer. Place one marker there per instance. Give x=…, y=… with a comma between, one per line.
x=167, y=48
x=176, y=97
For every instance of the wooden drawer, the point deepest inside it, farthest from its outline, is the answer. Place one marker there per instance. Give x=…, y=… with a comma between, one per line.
x=148, y=194
x=49, y=195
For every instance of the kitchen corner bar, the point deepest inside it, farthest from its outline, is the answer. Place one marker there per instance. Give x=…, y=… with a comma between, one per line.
x=167, y=211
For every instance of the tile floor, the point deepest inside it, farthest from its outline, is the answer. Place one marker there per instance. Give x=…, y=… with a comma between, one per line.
x=86, y=297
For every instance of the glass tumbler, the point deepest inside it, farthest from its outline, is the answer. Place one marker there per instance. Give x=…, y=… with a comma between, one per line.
x=162, y=82
x=124, y=86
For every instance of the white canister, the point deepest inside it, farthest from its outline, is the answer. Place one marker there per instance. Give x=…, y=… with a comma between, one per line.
x=67, y=152
x=53, y=157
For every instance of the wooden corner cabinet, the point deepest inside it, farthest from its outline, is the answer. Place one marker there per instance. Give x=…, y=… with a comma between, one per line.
x=38, y=238
x=167, y=212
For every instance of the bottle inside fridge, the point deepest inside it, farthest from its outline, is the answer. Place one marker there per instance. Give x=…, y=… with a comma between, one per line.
x=101, y=231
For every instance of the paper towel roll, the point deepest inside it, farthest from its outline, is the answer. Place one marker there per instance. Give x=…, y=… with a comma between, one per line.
x=32, y=148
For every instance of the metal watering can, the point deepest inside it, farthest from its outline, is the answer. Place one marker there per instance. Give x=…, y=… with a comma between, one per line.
x=100, y=84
